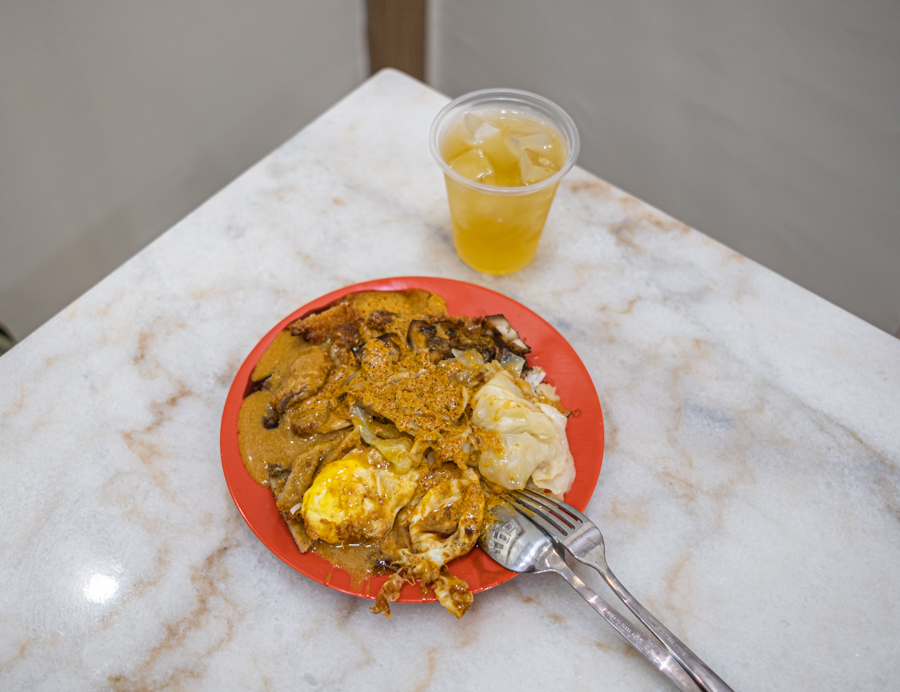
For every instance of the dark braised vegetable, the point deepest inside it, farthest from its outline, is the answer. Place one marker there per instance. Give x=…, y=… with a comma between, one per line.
x=509, y=336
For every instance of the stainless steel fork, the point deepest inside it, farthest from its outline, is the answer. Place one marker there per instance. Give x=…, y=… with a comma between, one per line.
x=583, y=540
x=519, y=544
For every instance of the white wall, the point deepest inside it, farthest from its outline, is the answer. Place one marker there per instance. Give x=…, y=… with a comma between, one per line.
x=771, y=125
x=118, y=118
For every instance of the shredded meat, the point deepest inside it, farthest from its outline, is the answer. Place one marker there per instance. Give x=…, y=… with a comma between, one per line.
x=381, y=318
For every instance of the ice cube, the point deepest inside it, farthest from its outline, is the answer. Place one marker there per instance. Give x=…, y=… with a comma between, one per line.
x=534, y=167
x=498, y=152
x=475, y=129
x=485, y=132
x=471, y=123
x=540, y=143
x=474, y=166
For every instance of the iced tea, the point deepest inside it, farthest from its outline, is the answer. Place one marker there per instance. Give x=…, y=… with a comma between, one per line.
x=505, y=156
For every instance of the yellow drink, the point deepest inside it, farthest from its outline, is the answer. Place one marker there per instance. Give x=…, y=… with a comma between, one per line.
x=501, y=153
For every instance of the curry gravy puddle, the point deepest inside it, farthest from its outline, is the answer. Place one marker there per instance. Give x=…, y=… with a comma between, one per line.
x=279, y=356
x=261, y=446
x=359, y=560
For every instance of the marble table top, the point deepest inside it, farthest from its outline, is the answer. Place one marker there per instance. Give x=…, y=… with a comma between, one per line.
x=749, y=496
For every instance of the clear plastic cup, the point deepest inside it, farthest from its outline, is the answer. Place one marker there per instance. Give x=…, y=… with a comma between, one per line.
x=497, y=225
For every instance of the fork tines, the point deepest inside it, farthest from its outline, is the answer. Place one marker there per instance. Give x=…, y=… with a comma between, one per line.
x=554, y=516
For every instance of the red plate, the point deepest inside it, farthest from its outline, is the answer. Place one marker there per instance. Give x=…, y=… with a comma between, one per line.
x=549, y=350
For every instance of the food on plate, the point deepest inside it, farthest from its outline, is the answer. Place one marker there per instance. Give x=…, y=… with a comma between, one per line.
x=385, y=427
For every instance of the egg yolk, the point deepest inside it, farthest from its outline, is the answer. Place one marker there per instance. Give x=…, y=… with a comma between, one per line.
x=350, y=500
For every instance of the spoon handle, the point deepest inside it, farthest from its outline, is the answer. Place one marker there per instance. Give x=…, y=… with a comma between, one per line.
x=652, y=651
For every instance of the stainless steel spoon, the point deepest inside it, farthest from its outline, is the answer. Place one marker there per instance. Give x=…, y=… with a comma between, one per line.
x=517, y=543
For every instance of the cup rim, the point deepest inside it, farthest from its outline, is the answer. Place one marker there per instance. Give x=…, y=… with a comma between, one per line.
x=545, y=106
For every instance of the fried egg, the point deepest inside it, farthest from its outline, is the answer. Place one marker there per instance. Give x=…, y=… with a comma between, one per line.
x=351, y=500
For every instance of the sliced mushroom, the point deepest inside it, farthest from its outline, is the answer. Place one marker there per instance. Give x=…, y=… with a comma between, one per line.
x=387, y=339
x=452, y=332
x=417, y=335
x=422, y=337
x=508, y=335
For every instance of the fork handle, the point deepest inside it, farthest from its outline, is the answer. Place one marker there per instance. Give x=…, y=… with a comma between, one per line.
x=652, y=651
x=701, y=672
